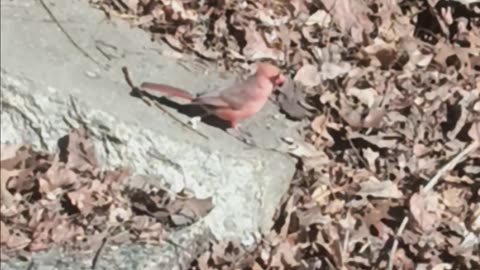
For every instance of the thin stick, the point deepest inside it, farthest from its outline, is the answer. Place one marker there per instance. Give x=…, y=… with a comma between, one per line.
x=440, y=20
x=97, y=254
x=31, y=265
x=345, y=244
x=395, y=242
x=362, y=159
x=452, y=163
x=59, y=25
x=135, y=89
x=157, y=104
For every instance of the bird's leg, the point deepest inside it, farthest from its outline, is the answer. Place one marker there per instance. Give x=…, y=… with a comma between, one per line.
x=241, y=134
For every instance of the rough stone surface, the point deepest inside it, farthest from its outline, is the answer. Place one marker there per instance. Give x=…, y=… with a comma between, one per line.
x=48, y=87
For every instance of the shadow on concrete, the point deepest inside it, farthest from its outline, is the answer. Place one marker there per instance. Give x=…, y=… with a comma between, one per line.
x=186, y=109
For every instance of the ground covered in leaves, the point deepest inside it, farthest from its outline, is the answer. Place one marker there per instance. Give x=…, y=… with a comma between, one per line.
x=65, y=199
x=390, y=174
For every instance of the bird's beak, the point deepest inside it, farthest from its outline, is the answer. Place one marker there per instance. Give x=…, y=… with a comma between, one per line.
x=279, y=80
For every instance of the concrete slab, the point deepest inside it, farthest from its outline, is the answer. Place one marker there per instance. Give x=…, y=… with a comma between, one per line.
x=48, y=86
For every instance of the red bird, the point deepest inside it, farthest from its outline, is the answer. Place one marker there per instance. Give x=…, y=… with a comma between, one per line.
x=235, y=103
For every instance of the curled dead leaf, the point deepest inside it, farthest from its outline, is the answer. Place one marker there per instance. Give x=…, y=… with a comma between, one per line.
x=186, y=211
x=8, y=151
x=351, y=17
x=256, y=47
x=473, y=221
x=4, y=233
x=379, y=189
x=17, y=240
x=331, y=71
x=374, y=117
x=320, y=18
x=6, y=197
x=424, y=208
x=308, y=75
x=77, y=151
x=83, y=200
x=290, y=98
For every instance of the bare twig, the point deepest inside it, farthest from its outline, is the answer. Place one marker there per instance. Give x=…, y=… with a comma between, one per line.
x=441, y=22
x=99, y=251
x=138, y=91
x=74, y=43
x=361, y=158
x=135, y=90
x=346, y=243
x=450, y=165
x=31, y=265
x=395, y=242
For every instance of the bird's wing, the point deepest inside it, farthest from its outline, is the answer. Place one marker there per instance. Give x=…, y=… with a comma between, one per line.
x=237, y=96
x=214, y=101
x=234, y=97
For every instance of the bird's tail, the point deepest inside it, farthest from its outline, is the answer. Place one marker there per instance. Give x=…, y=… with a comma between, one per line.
x=167, y=90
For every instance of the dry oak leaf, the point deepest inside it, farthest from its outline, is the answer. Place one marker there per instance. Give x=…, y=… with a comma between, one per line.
x=18, y=169
x=179, y=10
x=83, y=200
x=77, y=151
x=308, y=75
x=320, y=18
x=186, y=211
x=331, y=71
x=257, y=48
x=17, y=240
x=385, y=53
x=6, y=197
x=320, y=125
x=424, y=208
x=8, y=151
x=131, y=4
x=284, y=256
x=290, y=99
x=57, y=176
x=4, y=233
x=454, y=197
x=15, y=156
x=351, y=17
x=379, y=189
x=473, y=221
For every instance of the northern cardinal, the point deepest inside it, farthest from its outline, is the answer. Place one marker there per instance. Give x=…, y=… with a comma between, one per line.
x=235, y=103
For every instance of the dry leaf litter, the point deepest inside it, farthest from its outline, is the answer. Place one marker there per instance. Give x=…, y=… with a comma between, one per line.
x=390, y=167
x=65, y=199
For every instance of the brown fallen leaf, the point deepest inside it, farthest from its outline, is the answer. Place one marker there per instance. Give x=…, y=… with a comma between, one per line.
x=320, y=18
x=173, y=42
x=308, y=75
x=17, y=240
x=186, y=211
x=256, y=47
x=82, y=199
x=16, y=156
x=4, y=233
x=473, y=220
x=151, y=204
x=6, y=197
x=284, y=256
x=385, y=53
x=424, y=208
x=289, y=100
x=9, y=151
x=351, y=17
x=77, y=151
x=330, y=71
x=58, y=176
